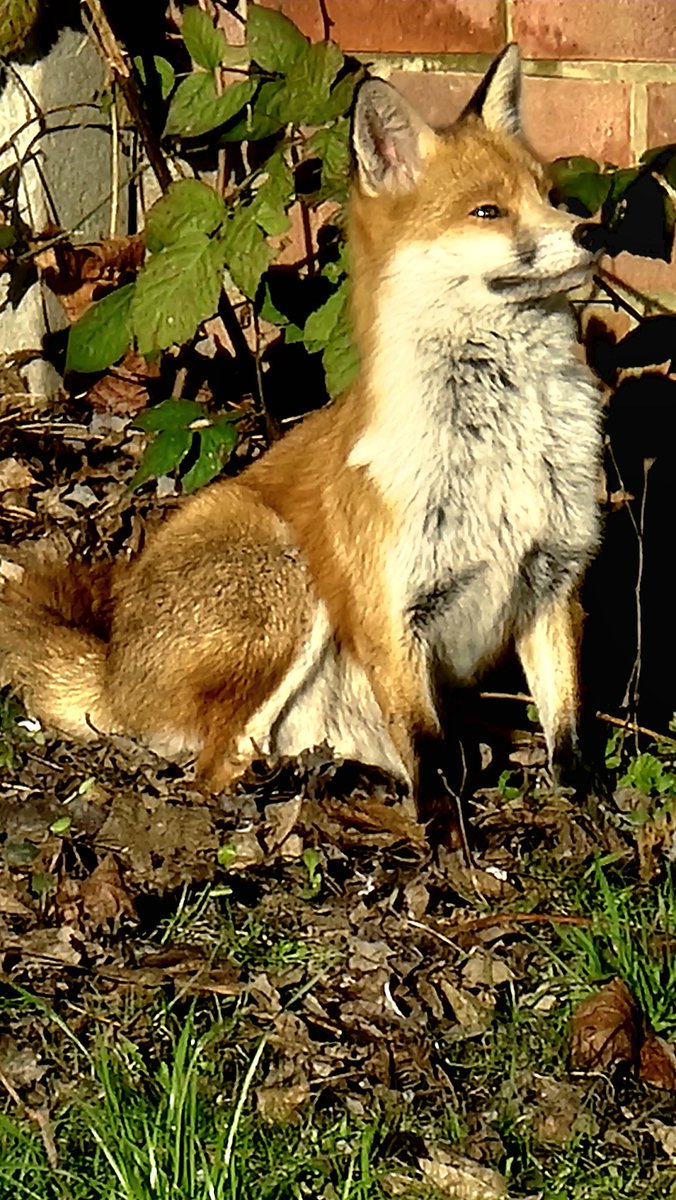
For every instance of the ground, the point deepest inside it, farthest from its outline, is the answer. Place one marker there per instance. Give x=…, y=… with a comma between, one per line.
x=288, y=992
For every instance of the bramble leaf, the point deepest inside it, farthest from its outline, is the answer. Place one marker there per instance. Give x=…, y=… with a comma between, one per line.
x=272, y=198
x=321, y=323
x=177, y=289
x=163, y=454
x=579, y=179
x=165, y=73
x=261, y=118
x=217, y=442
x=340, y=359
x=306, y=98
x=103, y=334
x=188, y=206
x=175, y=413
x=196, y=107
x=274, y=41
x=247, y=254
x=205, y=44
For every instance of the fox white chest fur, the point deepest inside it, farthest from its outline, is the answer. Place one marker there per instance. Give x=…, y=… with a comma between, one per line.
x=487, y=448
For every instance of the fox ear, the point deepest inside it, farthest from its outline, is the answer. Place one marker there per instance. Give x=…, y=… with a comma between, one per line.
x=497, y=99
x=390, y=141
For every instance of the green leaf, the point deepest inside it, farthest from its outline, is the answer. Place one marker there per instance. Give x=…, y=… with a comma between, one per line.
x=269, y=311
x=206, y=45
x=272, y=198
x=332, y=147
x=580, y=179
x=7, y=237
x=103, y=335
x=61, y=825
x=292, y=334
x=322, y=322
x=247, y=254
x=163, y=454
x=216, y=445
x=341, y=96
x=188, y=206
x=620, y=180
x=305, y=100
x=340, y=359
x=261, y=118
x=196, y=107
x=274, y=42
x=169, y=414
x=165, y=73
x=177, y=289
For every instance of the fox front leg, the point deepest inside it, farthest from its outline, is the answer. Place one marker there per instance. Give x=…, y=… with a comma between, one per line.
x=548, y=646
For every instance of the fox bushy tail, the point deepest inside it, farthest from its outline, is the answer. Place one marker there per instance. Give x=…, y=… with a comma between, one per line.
x=54, y=627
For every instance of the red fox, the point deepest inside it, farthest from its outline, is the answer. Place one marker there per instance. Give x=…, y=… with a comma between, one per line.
x=394, y=543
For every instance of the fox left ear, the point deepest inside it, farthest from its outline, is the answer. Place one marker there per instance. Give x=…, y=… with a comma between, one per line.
x=497, y=99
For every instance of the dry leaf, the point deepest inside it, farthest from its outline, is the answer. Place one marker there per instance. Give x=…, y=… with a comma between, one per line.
x=665, y=1135
x=657, y=1063
x=281, y=1104
x=605, y=1029
x=473, y=1015
x=80, y=274
x=463, y=1179
x=15, y=475
x=103, y=894
x=281, y=819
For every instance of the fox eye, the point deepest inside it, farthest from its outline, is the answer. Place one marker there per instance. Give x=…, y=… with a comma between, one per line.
x=487, y=212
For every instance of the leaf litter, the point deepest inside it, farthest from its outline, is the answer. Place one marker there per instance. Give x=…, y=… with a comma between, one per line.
x=385, y=972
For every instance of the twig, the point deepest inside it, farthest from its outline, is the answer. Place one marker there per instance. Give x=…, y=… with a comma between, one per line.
x=618, y=301
x=327, y=23
x=489, y=919
x=632, y=727
x=114, y=165
x=124, y=75
x=619, y=722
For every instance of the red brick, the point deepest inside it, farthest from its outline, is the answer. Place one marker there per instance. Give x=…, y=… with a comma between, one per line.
x=661, y=113
x=402, y=26
x=643, y=30
x=562, y=116
x=649, y=276
x=578, y=116
x=439, y=98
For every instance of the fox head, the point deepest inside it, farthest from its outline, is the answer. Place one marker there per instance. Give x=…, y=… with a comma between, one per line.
x=460, y=216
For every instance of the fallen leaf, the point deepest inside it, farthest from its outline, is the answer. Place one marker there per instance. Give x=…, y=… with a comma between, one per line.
x=664, y=1135
x=281, y=819
x=473, y=1015
x=657, y=1063
x=281, y=1104
x=15, y=475
x=104, y=895
x=463, y=1179
x=605, y=1029
x=80, y=274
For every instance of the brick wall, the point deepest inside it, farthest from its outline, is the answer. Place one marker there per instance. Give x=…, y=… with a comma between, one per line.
x=600, y=75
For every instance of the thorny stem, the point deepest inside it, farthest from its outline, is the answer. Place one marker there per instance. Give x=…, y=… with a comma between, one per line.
x=124, y=75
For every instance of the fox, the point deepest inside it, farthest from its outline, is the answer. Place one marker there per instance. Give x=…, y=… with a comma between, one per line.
x=394, y=544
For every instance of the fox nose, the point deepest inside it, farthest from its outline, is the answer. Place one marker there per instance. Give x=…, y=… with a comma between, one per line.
x=590, y=237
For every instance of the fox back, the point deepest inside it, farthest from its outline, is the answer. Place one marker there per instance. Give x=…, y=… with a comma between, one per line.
x=394, y=544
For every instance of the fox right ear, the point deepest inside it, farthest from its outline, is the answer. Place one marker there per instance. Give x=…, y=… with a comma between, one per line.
x=389, y=139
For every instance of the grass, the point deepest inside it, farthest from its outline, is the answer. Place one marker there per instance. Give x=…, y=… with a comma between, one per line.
x=172, y=1131
x=167, y=1106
